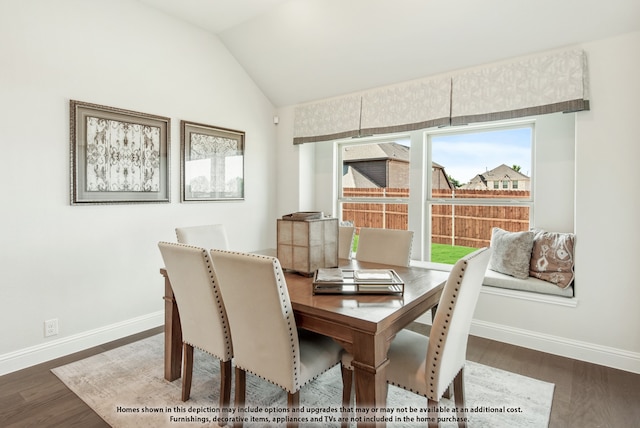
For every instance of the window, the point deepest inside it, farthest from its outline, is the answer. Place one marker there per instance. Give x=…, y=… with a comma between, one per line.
x=374, y=183
x=481, y=165
x=543, y=157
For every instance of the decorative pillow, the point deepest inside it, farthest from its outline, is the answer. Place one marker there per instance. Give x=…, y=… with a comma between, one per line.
x=552, y=257
x=511, y=253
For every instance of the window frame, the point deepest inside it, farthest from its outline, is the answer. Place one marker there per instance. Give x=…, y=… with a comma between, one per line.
x=431, y=201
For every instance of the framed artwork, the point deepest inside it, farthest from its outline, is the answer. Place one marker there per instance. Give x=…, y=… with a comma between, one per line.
x=212, y=163
x=118, y=156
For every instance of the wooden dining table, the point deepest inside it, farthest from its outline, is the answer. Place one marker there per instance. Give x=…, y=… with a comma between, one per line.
x=363, y=324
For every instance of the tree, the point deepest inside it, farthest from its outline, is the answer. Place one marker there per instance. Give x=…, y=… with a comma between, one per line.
x=454, y=182
x=516, y=168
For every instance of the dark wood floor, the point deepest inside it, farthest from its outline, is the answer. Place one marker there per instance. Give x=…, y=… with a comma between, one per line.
x=586, y=395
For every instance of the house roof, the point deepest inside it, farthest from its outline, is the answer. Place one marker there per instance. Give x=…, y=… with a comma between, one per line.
x=500, y=172
x=374, y=151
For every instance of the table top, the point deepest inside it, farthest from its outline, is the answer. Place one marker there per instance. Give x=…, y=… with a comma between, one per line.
x=369, y=311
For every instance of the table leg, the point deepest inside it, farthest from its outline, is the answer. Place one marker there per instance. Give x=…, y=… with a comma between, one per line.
x=172, y=335
x=370, y=377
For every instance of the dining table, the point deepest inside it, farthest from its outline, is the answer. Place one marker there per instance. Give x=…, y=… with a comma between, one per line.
x=364, y=324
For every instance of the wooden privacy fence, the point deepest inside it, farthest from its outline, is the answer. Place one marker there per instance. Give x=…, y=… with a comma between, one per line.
x=463, y=225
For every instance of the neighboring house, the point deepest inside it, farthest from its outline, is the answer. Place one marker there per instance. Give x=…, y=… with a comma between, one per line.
x=440, y=179
x=383, y=165
x=376, y=165
x=502, y=177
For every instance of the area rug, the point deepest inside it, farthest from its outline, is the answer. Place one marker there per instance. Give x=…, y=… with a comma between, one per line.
x=126, y=387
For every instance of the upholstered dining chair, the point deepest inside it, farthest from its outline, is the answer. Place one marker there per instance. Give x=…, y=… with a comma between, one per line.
x=388, y=246
x=428, y=365
x=266, y=341
x=346, y=235
x=203, y=317
x=206, y=236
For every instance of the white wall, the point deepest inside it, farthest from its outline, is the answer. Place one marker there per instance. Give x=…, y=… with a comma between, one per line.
x=95, y=268
x=604, y=326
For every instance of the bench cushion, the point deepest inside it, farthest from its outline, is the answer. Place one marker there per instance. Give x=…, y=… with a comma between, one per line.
x=496, y=279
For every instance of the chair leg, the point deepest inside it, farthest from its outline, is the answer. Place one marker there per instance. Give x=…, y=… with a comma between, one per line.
x=458, y=395
x=293, y=402
x=187, y=370
x=225, y=387
x=433, y=413
x=241, y=387
x=347, y=385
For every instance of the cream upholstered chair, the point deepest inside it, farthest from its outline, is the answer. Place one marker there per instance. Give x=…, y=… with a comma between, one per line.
x=346, y=235
x=388, y=246
x=428, y=365
x=203, y=317
x=207, y=236
x=266, y=341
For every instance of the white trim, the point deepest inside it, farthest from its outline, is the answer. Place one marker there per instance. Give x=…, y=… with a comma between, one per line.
x=50, y=350
x=571, y=302
x=584, y=351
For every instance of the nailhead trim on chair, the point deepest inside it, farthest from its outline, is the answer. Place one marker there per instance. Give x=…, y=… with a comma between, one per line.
x=437, y=361
x=221, y=309
x=286, y=303
x=290, y=320
x=284, y=388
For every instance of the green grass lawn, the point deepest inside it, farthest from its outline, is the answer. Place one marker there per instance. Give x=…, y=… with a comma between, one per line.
x=444, y=253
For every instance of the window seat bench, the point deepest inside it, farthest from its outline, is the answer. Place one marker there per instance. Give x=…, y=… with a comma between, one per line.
x=531, y=284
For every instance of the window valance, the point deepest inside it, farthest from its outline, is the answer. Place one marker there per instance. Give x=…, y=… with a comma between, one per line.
x=534, y=85
x=327, y=120
x=537, y=85
x=414, y=105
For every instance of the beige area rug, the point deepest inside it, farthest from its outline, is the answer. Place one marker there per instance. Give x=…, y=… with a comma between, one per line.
x=126, y=387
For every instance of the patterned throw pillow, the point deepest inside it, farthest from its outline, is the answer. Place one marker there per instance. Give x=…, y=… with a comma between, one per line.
x=511, y=252
x=552, y=258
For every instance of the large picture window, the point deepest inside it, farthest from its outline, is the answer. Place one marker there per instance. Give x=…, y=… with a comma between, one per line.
x=457, y=183
x=482, y=178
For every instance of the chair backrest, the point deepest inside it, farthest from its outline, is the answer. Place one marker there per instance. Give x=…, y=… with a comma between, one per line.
x=447, y=349
x=346, y=234
x=207, y=236
x=388, y=246
x=263, y=327
x=203, y=317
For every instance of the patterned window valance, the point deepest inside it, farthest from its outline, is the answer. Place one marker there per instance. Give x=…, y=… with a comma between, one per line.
x=327, y=120
x=536, y=85
x=414, y=105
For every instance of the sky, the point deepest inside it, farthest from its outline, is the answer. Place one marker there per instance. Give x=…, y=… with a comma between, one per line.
x=464, y=155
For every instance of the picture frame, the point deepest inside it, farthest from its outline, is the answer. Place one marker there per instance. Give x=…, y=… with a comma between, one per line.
x=212, y=164
x=118, y=156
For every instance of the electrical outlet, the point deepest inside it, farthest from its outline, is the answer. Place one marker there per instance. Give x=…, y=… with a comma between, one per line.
x=51, y=327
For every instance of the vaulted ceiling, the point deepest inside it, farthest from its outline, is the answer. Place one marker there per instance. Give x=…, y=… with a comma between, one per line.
x=303, y=50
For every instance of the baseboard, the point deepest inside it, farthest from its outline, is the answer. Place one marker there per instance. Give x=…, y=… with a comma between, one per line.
x=31, y=356
x=578, y=350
